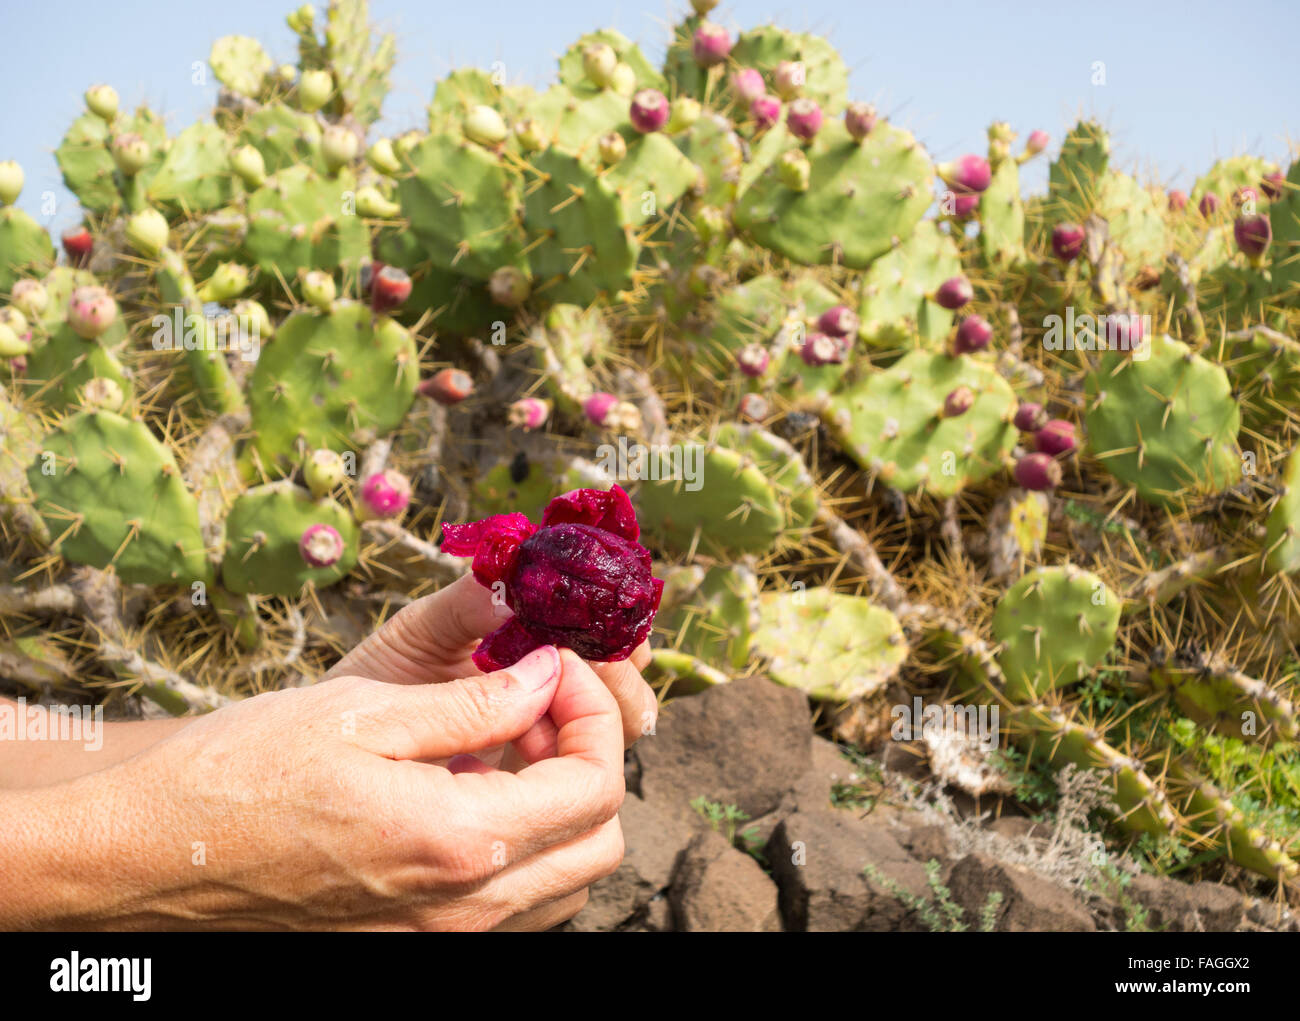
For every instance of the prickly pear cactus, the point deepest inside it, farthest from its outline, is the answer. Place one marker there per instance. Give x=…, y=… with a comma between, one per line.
x=873, y=413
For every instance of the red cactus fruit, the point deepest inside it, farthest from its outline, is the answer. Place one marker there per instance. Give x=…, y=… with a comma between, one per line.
x=579, y=580
x=766, y=111
x=1067, y=241
x=649, y=111
x=819, y=349
x=754, y=408
x=1030, y=417
x=1209, y=204
x=1253, y=234
x=1177, y=200
x=954, y=292
x=753, y=360
x=839, y=321
x=449, y=386
x=389, y=288
x=1055, y=438
x=973, y=334
x=78, y=243
x=1273, y=184
x=1038, y=472
x=958, y=402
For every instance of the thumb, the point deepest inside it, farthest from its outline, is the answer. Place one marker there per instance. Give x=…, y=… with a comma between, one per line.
x=437, y=721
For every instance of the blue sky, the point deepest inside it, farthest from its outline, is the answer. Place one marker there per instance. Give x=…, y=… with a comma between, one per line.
x=1185, y=83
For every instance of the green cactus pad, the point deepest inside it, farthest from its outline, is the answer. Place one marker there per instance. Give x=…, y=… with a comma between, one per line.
x=1285, y=251
x=715, y=149
x=650, y=178
x=826, y=79
x=240, y=64
x=336, y=380
x=1051, y=735
x=1229, y=703
x=195, y=175
x=1076, y=176
x=678, y=673
x=25, y=247
x=832, y=646
x=1282, y=529
x=88, y=168
x=1002, y=218
x=894, y=305
x=863, y=199
x=114, y=496
x=710, y=614
x=731, y=509
x=1228, y=175
x=463, y=205
x=569, y=341
x=60, y=365
x=263, y=530
x=1054, y=624
x=360, y=64
x=1166, y=424
x=891, y=422
x=299, y=219
x=574, y=77
x=284, y=137
x=587, y=245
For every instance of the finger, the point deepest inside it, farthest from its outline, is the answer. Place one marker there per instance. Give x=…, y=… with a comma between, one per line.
x=640, y=657
x=539, y=742
x=436, y=629
x=467, y=764
x=548, y=916
x=557, y=872
x=636, y=699
x=506, y=817
x=437, y=721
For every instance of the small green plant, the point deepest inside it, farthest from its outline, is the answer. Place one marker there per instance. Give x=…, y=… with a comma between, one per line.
x=939, y=913
x=725, y=819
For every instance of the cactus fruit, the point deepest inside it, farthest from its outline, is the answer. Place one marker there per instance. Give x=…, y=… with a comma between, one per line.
x=389, y=288
x=101, y=100
x=973, y=334
x=1037, y=472
x=970, y=173
x=1055, y=438
x=579, y=580
x=1067, y=241
x=314, y=90
x=448, y=386
x=385, y=494
x=804, y=118
x=953, y=293
x=528, y=413
x=649, y=111
x=711, y=44
x=1030, y=417
x=859, y=119
x=323, y=471
x=766, y=111
x=91, y=311
x=147, y=232
x=747, y=84
x=11, y=182
x=78, y=244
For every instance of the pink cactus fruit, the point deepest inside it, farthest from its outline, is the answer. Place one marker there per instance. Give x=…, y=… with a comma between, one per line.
x=1030, y=417
x=711, y=45
x=748, y=85
x=91, y=311
x=1055, y=438
x=954, y=292
x=1038, y=472
x=1067, y=241
x=528, y=413
x=839, y=321
x=766, y=111
x=320, y=545
x=804, y=119
x=973, y=334
x=385, y=494
x=649, y=111
x=579, y=580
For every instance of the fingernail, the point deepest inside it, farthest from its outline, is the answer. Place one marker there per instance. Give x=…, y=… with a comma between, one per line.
x=538, y=668
x=462, y=764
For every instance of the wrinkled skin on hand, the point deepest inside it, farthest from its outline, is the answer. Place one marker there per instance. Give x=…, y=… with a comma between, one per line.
x=579, y=580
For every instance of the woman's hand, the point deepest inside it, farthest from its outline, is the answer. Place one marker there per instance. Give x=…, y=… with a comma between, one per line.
x=432, y=639
x=318, y=807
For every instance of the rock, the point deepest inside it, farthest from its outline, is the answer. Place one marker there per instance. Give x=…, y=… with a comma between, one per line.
x=653, y=841
x=927, y=841
x=1030, y=903
x=1187, y=907
x=720, y=889
x=817, y=859
x=812, y=791
x=746, y=744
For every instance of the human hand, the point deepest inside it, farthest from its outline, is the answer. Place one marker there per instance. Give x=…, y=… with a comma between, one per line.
x=318, y=808
x=431, y=641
